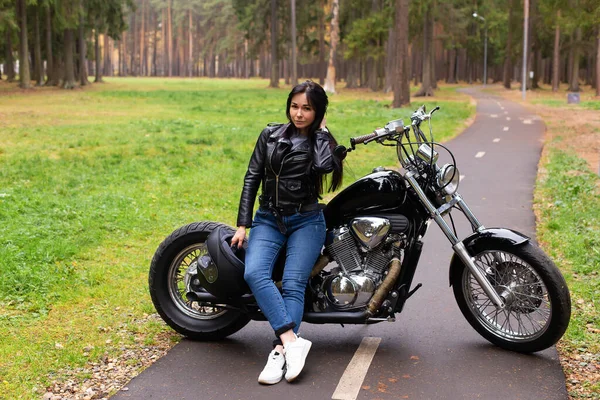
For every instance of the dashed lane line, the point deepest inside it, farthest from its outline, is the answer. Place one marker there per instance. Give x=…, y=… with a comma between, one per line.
x=496, y=140
x=505, y=128
x=354, y=375
x=480, y=154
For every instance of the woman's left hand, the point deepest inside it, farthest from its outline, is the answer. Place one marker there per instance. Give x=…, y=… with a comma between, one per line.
x=323, y=123
x=238, y=237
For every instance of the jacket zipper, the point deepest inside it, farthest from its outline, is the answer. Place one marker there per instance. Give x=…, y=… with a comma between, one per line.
x=277, y=176
x=278, y=173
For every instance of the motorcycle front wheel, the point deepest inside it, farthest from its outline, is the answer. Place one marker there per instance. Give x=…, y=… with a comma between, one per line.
x=537, y=301
x=172, y=276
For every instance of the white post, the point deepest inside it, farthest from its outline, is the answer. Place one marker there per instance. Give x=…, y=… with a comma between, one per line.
x=475, y=15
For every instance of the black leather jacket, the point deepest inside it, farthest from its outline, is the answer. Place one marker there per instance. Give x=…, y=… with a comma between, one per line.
x=288, y=177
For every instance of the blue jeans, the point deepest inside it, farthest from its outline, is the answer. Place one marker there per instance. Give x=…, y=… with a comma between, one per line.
x=305, y=237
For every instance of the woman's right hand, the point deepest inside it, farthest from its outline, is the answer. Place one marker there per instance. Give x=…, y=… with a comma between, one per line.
x=238, y=237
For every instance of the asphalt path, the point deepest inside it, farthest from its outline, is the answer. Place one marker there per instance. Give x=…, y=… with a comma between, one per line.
x=430, y=352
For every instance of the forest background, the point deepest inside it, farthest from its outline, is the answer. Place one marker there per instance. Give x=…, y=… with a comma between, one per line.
x=379, y=44
x=375, y=46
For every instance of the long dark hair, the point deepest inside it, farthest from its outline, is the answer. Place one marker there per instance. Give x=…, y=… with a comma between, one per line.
x=317, y=98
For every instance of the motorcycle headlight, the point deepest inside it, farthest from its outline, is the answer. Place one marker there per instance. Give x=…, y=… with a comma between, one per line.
x=448, y=179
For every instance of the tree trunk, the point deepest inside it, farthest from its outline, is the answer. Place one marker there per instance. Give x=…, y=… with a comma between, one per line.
x=180, y=51
x=169, y=40
x=190, y=46
x=574, y=78
x=294, y=69
x=69, y=80
x=353, y=72
x=530, y=42
x=83, y=72
x=556, y=55
x=165, y=45
x=417, y=63
x=402, y=76
x=322, y=65
x=427, y=84
x=335, y=37
x=24, y=74
x=125, y=67
x=108, y=70
x=134, y=50
x=390, y=60
x=10, y=63
x=569, y=60
x=274, y=64
x=452, y=66
x=507, y=70
x=246, y=66
x=537, y=57
x=589, y=80
x=120, y=55
x=598, y=63
x=432, y=50
x=37, y=45
x=142, y=36
x=98, y=57
x=154, y=71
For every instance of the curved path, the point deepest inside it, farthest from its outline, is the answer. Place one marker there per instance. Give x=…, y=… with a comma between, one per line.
x=430, y=352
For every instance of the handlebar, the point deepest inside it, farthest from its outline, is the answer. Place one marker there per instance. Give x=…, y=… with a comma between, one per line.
x=395, y=127
x=361, y=139
x=420, y=115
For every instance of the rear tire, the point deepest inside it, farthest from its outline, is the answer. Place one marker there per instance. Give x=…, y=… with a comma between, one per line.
x=538, y=304
x=171, y=274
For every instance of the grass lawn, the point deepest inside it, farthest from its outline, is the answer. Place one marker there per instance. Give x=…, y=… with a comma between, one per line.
x=92, y=180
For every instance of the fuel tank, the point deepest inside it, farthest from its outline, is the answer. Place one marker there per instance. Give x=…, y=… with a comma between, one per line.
x=374, y=193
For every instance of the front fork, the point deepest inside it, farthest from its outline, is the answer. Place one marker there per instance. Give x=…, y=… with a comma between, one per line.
x=457, y=245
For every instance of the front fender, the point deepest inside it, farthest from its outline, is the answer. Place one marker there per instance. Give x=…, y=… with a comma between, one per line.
x=479, y=241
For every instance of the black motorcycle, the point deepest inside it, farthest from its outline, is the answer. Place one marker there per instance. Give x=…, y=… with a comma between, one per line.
x=506, y=287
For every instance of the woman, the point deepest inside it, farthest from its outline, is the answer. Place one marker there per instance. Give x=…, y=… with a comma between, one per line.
x=290, y=161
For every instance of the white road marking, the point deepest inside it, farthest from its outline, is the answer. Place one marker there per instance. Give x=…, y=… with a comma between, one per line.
x=527, y=121
x=354, y=375
x=494, y=115
x=508, y=118
x=462, y=177
x=505, y=128
x=496, y=140
x=480, y=154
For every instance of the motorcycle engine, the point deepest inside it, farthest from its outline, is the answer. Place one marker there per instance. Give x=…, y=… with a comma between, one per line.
x=362, y=250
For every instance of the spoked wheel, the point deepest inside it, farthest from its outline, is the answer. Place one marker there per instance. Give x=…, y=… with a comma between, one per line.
x=537, y=302
x=182, y=279
x=173, y=274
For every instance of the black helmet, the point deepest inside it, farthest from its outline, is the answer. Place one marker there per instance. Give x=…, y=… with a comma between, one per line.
x=222, y=272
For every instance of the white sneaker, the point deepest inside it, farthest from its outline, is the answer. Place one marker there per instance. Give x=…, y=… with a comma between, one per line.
x=273, y=371
x=295, y=355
